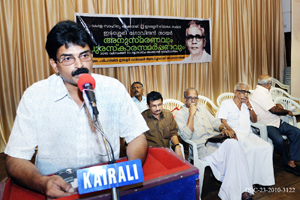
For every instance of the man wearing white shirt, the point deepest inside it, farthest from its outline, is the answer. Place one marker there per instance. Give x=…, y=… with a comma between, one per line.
x=52, y=116
x=268, y=113
x=138, y=98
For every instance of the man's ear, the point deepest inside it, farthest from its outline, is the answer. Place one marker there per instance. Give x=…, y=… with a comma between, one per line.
x=204, y=42
x=184, y=99
x=54, y=65
x=148, y=106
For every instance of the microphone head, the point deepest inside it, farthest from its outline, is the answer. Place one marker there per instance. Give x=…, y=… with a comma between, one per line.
x=85, y=80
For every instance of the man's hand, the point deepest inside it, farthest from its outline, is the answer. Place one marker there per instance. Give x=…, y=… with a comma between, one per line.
x=55, y=186
x=193, y=109
x=229, y=133
x=290, y=113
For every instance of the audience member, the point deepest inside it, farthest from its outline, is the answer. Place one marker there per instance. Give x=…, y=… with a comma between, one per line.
x=236, y=114
x=138, y=98
x=161, y=123
x=268, y=113
x=52, y=116
x=227, y=160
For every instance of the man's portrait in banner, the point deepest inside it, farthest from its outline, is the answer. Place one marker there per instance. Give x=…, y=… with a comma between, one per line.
x=197, y=41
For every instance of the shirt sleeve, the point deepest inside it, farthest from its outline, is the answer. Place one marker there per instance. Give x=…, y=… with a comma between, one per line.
x=216, y=123
x=23, y=138
x=223, y=111
x=181, y=118
x=173, y=126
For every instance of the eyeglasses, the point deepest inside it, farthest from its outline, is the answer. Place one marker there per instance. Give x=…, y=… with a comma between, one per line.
x=197, y=37
x=190, y=98
x=244, y=91
x=70, y=59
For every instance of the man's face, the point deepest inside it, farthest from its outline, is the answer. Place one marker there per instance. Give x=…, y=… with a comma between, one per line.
x=196, y=44
x=137, y=90
x=77, y=68
x=156, y=107
x=242, y=93
x=191, y=98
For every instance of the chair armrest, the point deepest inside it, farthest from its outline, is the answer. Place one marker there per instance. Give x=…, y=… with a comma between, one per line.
x=262, y=129
x=194, y=148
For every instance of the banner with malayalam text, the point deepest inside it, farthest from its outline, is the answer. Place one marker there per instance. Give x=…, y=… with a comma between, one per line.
x=130, y=40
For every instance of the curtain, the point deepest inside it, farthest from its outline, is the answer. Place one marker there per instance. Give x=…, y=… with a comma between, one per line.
x=247, y=41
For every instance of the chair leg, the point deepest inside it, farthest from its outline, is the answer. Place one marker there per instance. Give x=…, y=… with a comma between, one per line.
x=201, y=178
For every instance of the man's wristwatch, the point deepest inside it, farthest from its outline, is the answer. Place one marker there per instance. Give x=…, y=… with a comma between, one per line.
x=250, y=108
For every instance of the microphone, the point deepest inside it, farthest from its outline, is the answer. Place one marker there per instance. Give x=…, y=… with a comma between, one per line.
x=87, y=84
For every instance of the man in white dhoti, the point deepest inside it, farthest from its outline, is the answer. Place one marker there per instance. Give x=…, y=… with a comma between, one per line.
x=236, y=114
x=227, y=160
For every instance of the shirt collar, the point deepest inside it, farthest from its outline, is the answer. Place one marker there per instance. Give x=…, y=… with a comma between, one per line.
x=60, y=90
x=149, y=114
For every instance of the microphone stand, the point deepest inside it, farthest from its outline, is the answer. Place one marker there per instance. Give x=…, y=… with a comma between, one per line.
x=109, y=150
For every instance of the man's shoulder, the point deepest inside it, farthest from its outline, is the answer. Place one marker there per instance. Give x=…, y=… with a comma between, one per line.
x=42, y=85
x=167, y=113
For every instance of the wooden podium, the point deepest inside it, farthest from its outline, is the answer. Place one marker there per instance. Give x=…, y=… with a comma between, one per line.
x=166, y=176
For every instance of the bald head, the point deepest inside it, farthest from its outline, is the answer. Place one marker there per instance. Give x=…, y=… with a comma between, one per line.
x=265, y=81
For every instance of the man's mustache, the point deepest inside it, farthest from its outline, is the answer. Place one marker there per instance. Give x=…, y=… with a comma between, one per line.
x=157, y=111
x=82, y=70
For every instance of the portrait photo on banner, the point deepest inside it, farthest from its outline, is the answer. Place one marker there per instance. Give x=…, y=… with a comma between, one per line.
x=134, y=40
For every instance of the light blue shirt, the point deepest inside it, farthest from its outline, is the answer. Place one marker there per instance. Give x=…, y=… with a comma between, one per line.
x=141, y=105
x=49, y=118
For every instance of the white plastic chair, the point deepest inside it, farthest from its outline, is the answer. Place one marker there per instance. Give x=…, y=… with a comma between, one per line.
x=200, y=164
x=289, y=104
x=277, y=92
x=170, y=104
x=224, y=96
x=210, y=106
x=281, y=85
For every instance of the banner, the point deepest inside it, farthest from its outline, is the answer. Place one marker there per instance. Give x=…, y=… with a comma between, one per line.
x=132, y=40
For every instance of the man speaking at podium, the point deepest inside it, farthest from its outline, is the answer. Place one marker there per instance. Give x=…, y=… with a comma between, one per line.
x=52, y=116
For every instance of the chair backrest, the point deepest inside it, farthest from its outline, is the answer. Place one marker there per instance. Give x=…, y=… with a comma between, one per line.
x=173, y=105
x=224, y=96
x=277, y=92
x=288, y=104
x=210, y=106
x=276, y=82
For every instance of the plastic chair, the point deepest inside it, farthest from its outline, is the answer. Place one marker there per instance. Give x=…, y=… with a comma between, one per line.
x=281, y=85
x=289, y=104
x=277, y=92
x=210, y=106
x=170, y=104
x=224, y=96
x=200, y=164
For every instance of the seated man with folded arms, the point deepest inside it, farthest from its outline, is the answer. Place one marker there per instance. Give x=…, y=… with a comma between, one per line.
x=138, y=98
x=269, y=113
x=227, y=160
x=236, y=114
x=161, y=123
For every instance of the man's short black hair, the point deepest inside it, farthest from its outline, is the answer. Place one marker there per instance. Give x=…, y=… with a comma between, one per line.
x=136, y=83
x=66, y=33
x=153, y=96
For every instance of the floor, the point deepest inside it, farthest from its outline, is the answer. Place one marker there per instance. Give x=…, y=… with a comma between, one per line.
x=287, y=185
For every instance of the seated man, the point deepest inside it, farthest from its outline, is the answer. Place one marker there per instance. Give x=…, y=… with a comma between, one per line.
x=52, y=116
x=227, y=160
x=138, y=98
x=268, y=113
x=236, y=114
x=161, y=123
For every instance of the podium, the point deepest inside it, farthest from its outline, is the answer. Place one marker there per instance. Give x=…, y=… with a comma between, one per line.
x=166, y=176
